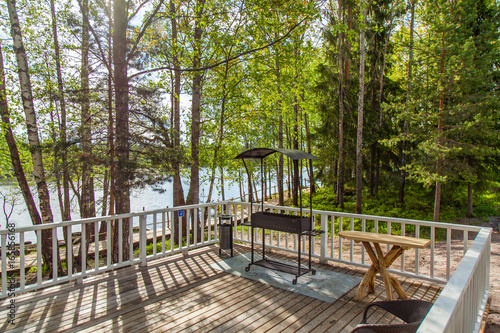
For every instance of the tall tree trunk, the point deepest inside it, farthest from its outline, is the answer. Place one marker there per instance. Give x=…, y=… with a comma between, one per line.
x=66, y=211
x=178, y=192
x=222, y=191
x=14, y=152
x=87, y=205
x=194, y=188
x=220, y=137
x=407, y=106
x=375, y=164
x=340, y=179
x=359, y=136
x=470, y=205
x=123, y=168
x=32, y=127
x=296, y=178
x=111, y=129
x=281, y=197
x=437, y=198
x=309, y=150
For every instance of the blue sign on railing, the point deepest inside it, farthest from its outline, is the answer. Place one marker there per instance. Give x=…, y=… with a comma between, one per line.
x=181, y=212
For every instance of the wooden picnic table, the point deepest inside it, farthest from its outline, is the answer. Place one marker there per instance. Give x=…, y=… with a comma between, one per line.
x=381, y=262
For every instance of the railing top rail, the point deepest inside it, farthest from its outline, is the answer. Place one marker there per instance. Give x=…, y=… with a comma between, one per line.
x=294, y=209
x=377, y=218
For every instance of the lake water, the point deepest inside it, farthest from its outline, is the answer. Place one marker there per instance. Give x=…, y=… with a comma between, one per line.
x=140, y=199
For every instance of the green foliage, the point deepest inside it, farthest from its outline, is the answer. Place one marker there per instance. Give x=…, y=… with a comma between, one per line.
x=417, y=206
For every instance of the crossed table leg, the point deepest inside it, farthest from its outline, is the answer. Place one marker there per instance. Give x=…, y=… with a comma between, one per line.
x=380, y=263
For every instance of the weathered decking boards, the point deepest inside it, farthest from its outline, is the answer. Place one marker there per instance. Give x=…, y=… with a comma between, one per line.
x=184, y=294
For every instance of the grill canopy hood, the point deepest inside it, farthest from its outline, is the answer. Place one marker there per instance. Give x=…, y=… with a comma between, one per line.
x=260, y=153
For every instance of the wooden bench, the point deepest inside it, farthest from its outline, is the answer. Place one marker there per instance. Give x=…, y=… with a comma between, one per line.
x=381, y=262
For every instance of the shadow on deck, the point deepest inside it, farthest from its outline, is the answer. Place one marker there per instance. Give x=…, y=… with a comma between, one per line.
x=185, y=294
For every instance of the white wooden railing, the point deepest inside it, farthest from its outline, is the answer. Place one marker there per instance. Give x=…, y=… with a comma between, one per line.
x=157, y=222
x=467, y=282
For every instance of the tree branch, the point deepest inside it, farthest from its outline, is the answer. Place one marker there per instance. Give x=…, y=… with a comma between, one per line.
x=222, y=61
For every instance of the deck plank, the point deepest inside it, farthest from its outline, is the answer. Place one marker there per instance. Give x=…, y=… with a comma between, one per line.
x=185, y=294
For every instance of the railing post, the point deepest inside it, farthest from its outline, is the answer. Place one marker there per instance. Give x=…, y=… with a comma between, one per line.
x=324, y=236
x=142, y=239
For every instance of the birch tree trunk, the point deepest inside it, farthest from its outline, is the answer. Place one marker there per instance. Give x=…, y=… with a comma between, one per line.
x=14, y=152
x=32, y=127
x=359, y=136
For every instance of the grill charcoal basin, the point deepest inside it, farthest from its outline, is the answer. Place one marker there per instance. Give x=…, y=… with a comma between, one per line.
x=281, y=222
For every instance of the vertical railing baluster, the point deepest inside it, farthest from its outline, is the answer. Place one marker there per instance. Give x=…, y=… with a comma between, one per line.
x=417, y=252
x=120, y=241
x=203, y=222
x=242, y=218
x=389, y=232
x=181, y=220
x=209, y=224
x=448, y=253
x=351, y=241
x=363, y=228
x=375, y=226
x=83, y=247
x=195, y=225
x=109, y=239
x=433, y=238
x=69, y=251
x=466, y=241
x=4, y=264
x=163, y=232
x=188, y=228
x=341, y=228
x=131, y=238
x=96, y=245
x=403, y=233
x=22, y=271
x=332, y=235
x=172, y=230
x=154, y=235
x=143, y=240
x=323, y=238
x=54, y=254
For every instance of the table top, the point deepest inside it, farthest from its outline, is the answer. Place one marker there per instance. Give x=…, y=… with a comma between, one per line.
x=402, y=241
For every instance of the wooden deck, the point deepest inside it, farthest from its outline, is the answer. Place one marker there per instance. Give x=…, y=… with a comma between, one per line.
x=184, y=294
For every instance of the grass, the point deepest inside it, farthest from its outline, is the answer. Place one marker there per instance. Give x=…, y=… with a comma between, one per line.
x=419, y=203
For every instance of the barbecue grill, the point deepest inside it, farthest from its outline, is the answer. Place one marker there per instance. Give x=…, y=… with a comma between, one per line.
x=299, y=225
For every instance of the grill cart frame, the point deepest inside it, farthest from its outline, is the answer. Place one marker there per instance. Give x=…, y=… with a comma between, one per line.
x=299, y=225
